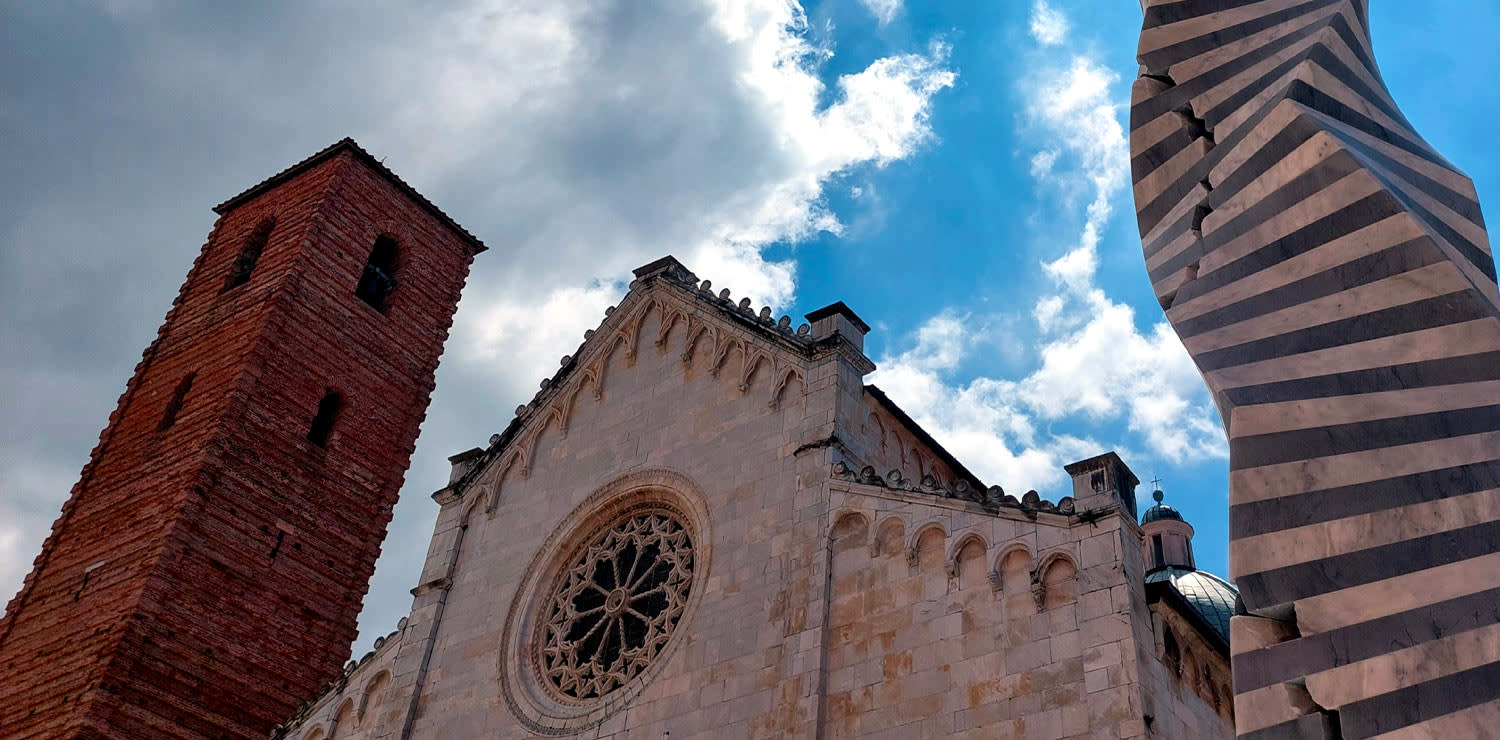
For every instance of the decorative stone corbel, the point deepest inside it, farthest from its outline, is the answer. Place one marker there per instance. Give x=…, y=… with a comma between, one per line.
x=665, y=330
x=783, y=377
x=912, y=557
x=437, y=584
x=1038, y=589
x=596, y=381
x=748, y=367
x=695, y=335
x=721, y=351
x=997, y=581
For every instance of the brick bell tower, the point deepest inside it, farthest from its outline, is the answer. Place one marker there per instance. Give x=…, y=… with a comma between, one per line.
x=205, y=574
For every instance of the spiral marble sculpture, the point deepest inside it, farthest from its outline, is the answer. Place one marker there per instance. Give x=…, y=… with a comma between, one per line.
x=1330, y=274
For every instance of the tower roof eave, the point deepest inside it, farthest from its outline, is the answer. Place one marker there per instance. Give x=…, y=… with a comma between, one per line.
x=347, y=144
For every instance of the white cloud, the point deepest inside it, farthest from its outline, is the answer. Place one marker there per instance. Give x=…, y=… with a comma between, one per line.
x=578, y=139
x=730, y=153
x=985, y=422
x=1049, y=27
x=1042, y=162
x=594, y=161
x=1094, y=365
x=884, y=10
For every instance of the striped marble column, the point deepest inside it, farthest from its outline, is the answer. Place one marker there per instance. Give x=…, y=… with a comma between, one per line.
x=1330, y=274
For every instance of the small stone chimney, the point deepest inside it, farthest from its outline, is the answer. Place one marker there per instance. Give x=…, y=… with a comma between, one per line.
x=1103, y=481
x=839, y=319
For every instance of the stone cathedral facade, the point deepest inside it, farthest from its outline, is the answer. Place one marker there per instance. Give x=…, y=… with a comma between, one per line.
x=706, y=525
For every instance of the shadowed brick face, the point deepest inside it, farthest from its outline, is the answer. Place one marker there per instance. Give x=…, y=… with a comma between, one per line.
x=204, y=576
x=1331, y=276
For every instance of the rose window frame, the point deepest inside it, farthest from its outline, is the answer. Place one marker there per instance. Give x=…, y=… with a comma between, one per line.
x=616, y=607
x=541, y=704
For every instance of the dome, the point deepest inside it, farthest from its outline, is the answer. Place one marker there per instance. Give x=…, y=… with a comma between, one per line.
x=1160, y=511
x=1212, y=597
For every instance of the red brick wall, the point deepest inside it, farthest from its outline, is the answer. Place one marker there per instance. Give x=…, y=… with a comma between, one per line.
x=191, y=628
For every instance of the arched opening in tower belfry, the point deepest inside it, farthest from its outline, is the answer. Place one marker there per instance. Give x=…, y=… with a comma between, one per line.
x=322, y=423
x=379, y=278
x=244, y=263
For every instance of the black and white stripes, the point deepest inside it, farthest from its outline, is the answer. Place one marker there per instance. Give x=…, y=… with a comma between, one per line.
x=1331, y=276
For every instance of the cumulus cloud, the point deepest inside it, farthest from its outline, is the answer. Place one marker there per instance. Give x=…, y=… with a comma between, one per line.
x=579, y=140
x=1094, y=365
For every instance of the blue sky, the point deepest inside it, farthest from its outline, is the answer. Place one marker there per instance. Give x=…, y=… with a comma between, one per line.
x=972, y=226
x=955, y=171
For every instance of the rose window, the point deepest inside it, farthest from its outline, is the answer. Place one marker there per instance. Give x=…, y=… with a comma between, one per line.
x=614, y=609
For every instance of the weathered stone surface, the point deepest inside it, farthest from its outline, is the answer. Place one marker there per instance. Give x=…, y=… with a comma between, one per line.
x=835, y=601
x=1331, y=276
x=205, y=574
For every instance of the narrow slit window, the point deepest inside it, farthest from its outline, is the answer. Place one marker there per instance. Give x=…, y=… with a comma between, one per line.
x=1158, y=551
x=174, y=405
x=244, y=264
x=1172, y=654
x=322, y=423
x=378, y=280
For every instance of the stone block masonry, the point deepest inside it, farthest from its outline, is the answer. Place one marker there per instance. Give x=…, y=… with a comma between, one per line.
x=1330, y=274
x=204, y=576
x=813, y=596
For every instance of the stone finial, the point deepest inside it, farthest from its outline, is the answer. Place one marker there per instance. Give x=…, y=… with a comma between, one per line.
x=1103, y=481
x=841, y=320
x=465, y=461
x=667, y=267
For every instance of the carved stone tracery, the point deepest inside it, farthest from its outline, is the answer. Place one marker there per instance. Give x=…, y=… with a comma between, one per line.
x=614, y=609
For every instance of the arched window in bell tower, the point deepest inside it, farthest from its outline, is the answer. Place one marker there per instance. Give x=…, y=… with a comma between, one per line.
x=244, y=263
x=322, y=423
x=378, y=280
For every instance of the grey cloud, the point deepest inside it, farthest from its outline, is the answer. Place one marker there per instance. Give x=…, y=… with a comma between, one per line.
x=578, y=139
